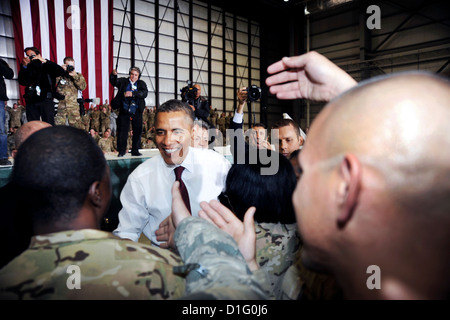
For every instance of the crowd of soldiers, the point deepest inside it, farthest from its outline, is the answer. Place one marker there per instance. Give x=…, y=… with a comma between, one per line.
x=100, y=122
x=222, y=123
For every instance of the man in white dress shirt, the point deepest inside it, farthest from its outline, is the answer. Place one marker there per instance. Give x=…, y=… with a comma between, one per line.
x=146, y=197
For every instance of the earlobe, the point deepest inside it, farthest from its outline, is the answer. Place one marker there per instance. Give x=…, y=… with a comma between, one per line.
x=348, y=188
x=95, y=194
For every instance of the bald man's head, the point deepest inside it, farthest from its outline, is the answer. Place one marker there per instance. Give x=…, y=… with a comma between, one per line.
x=397, y=123
x=26, y=130
x=395, y=112
x=376, y=183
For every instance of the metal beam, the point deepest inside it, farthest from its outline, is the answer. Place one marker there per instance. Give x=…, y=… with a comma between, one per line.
x=440, y=21
x=209, y=55
x=235, y=68
x=391, y=34
x=249, y=77
x=191, y=41
x=224, y=59
x=132, y=32
x=157, y=53
x=444, y=66
x=175, y=46
x=364, y=40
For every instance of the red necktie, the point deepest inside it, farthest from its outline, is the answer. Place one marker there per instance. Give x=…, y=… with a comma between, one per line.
x=183, y=190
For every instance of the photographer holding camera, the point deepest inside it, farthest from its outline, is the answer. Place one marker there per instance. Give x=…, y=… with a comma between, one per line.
x=200, y=105
x=67, y=93
x=130, y=100
x=38, y=75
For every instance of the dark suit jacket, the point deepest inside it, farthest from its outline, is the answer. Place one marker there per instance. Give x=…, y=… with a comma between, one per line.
x=121, y=84
x=42, y=74
x=8, y=73
x=201, y=106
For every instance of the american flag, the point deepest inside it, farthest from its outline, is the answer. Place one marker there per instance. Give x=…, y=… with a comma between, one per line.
x=81, y=29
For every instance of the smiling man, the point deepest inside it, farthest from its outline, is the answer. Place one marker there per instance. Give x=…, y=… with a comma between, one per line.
x=287, y=137
x=146, y=197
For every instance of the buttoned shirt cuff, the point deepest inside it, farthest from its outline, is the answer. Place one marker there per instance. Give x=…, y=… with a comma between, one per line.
x=238, y=117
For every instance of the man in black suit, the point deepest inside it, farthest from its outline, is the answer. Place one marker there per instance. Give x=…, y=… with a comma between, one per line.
x=38, y=75
x=130, y=100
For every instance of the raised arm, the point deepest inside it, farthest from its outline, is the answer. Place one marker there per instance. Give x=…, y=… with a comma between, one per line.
x=309, y=76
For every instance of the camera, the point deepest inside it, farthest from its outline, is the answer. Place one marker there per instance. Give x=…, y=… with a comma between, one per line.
x=32, y=92
x=58, y=96
x=188, y=93
x=32, y=56
x=70, y=68
x=254, y=93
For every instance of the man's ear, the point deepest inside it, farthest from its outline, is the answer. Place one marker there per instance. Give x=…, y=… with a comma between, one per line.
x=95, y=194
x=348, y=188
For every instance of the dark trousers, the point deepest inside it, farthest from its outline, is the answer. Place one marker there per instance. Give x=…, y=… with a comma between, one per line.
x=123, y=126
x=42, y=109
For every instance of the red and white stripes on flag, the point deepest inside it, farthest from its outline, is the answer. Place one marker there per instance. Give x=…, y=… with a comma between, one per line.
x=81, y=29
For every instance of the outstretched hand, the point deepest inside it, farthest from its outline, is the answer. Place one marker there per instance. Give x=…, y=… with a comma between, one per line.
x=242, y=232
x=179, y=209
x=309, y=76
x=167, y=228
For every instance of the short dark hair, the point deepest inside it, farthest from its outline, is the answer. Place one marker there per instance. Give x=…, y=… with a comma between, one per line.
x=287, y=122
x=175, y=105
x=271, y=194
x=36, y=50
x=259, y=124
x=68, y=59
x=134, y=69
x=55, y=168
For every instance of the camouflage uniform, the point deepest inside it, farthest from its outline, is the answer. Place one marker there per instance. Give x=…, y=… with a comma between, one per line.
x=311, y=285
x=221, y=124
x=95, y=120
x=106, y=144
x=69, y=109
x=223, y=272
x=276, y=248
x=147, y=143
x=15, y=116
x=85, y=122
x=228, y=121
x=129, y=141
x=11, y=141
x=211, y=116
x=151, y=119
x=105, y=120
x=145, y=120
x=96, y=136
x=114, y=142
x=110, y=268
x=112, y=122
